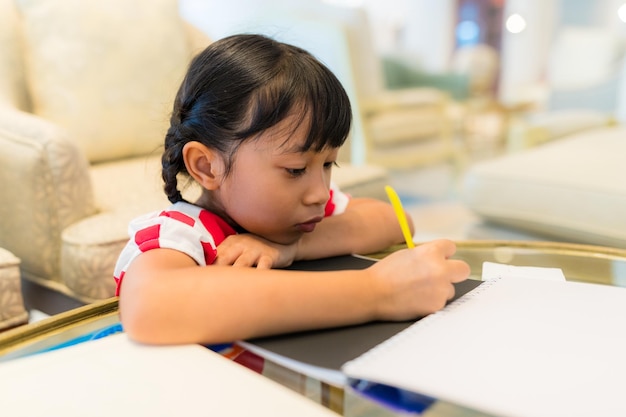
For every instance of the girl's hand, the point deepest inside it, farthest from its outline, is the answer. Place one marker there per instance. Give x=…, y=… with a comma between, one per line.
x=250, y=250
x=416, y=282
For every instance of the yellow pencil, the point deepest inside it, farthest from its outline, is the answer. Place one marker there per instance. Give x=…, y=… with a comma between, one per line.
x=399, y=210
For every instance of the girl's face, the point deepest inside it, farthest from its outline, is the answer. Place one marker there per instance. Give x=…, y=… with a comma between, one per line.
x=275, y=190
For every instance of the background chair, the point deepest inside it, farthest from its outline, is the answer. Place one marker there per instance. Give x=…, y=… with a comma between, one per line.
x=402, y=128
x=83, y=113
x=471, y=81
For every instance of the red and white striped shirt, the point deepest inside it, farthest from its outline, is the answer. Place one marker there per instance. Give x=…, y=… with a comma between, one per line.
x=189, y=229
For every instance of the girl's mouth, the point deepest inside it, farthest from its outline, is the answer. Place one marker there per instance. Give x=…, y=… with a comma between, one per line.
x=309, y=225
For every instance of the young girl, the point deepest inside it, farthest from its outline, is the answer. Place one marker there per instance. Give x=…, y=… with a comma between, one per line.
x=258, y=124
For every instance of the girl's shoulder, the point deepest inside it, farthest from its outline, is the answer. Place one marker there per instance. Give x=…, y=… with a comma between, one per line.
x=178, y=211
x=185, y=215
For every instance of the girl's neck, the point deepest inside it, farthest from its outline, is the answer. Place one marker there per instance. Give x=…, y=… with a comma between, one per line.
x=210, y=202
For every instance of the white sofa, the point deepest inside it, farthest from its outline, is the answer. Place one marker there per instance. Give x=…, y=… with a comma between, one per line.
x=85, y=91
x=571, y=189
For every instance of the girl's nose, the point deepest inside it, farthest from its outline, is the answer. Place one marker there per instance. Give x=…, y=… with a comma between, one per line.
x=318, y=191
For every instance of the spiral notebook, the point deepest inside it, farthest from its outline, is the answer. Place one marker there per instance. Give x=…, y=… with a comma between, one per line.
x=513, y=347
x=321, y=353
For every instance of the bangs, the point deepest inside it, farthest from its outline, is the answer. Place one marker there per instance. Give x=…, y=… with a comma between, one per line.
x=307, y=89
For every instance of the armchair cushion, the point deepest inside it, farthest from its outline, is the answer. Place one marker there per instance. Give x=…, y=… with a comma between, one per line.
x=407, y=125
x=90, y=247
x=406, y=116
x=74, y=70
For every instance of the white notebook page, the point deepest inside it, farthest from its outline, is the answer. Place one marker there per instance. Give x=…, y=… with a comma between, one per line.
x=514, y=347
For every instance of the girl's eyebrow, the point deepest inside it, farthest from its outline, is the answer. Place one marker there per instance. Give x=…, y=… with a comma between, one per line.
x=295, y=148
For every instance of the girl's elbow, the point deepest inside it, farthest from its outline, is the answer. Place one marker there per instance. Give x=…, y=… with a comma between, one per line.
x=162, y=326
x=140, y=327
x=141, y=317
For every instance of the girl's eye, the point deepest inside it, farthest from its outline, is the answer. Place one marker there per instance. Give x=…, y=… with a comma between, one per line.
x=295, y=172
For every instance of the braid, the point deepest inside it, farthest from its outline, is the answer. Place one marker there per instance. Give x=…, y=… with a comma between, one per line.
x=172, y=163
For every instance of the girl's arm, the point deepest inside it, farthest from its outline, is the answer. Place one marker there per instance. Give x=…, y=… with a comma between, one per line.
x=367, y=225
x=167, y=298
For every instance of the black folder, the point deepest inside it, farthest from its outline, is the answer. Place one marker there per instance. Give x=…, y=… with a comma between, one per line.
x=331, y=348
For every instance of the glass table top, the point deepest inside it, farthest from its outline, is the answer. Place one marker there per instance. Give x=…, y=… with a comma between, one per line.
x=582, y=263
x=585, y=263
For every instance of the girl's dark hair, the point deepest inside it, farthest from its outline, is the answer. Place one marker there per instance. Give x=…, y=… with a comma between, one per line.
x=242, y=85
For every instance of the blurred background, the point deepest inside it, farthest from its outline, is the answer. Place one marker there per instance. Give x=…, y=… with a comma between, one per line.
x=517, y=73
x=507, y=56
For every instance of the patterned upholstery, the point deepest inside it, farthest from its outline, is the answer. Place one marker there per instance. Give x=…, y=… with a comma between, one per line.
x=12, y=312
x=99, y=77
x=70, y=64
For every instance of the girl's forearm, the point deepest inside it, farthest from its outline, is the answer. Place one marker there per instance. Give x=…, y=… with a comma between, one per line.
x=367, y=226
x=193, y=304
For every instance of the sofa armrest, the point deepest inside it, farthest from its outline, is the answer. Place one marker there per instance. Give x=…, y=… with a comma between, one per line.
x=45, y=187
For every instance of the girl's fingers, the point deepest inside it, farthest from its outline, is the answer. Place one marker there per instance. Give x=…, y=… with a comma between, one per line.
x=460, y=270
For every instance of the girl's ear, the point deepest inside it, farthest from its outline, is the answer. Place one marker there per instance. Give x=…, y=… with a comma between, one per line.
x=205, y=165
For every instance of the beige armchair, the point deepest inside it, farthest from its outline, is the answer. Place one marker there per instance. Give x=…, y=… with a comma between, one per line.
x=86, y=87
x=402, y=128
x=84, y=104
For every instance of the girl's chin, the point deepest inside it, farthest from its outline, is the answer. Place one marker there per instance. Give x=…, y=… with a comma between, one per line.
x=285, y=238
